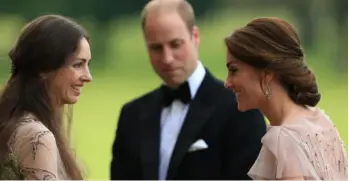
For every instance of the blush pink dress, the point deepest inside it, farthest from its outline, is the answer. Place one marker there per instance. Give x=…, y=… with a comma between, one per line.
x=308, y=148
x=33, y=154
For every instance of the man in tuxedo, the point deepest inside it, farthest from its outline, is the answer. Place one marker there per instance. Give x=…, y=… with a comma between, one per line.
x=189, y=128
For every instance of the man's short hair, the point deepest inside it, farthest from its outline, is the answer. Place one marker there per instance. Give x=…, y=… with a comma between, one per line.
x=182, y=7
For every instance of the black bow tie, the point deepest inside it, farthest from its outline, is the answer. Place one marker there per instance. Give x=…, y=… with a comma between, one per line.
x=182, y=93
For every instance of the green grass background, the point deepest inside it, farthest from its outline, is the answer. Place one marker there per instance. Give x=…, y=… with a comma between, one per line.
x=129, y=75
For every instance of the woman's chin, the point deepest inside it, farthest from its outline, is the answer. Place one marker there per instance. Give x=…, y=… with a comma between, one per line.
x=71, y=100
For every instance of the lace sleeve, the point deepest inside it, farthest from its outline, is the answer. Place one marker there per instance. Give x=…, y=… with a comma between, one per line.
x=35, y=148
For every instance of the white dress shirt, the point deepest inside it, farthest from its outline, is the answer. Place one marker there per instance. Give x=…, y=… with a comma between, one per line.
x=172, y=118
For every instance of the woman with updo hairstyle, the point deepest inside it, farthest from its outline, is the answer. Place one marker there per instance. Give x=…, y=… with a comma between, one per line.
x=267, y=71
x=50, y=65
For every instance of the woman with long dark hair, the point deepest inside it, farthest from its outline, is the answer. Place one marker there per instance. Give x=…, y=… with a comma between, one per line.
x=49, y=67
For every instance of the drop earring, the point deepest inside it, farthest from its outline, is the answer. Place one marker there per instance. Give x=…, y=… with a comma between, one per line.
x=268, y=92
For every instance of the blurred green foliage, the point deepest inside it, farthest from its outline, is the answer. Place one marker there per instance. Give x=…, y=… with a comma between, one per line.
x=128, y=74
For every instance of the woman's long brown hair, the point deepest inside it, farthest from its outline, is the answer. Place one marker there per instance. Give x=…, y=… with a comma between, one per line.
x=43, y=46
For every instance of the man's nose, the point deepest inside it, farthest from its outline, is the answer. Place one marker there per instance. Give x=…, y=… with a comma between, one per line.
x=168, y=55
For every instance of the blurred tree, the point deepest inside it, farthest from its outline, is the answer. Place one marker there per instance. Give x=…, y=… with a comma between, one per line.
x=340, y=12
x=101, y=12
x=310, y=14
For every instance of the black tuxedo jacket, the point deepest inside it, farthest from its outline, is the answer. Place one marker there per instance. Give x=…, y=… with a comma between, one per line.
x=233, y=138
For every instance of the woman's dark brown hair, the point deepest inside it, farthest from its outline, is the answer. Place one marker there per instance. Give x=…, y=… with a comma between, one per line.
x=44, y=46
x=273, y=44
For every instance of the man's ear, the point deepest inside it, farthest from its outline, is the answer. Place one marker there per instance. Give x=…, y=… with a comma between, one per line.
x=196, y=35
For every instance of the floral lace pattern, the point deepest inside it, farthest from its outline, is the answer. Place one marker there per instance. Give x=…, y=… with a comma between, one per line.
x=33, y=154
x=309, y=148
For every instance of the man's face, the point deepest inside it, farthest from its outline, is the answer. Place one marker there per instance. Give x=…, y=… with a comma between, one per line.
x=172, y=48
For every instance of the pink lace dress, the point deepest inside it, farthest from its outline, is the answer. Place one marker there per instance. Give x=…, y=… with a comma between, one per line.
x=33, y=154
x=309, y=148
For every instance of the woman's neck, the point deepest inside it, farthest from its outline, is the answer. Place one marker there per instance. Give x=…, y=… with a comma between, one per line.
x=280, y=109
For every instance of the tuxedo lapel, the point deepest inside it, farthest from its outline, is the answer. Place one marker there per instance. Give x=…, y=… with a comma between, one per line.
x=199, y=112
x=150, y=136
